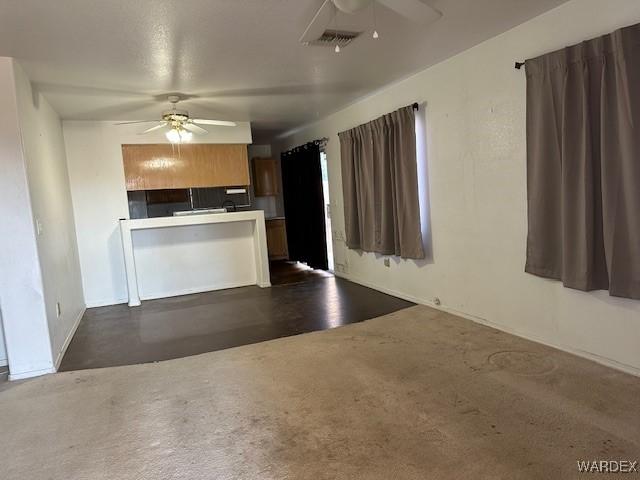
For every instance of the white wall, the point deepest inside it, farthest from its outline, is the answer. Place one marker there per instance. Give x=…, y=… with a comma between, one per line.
x=22, y=297
x=475, y=109
x=44, y=153
x=4, y=361
x=99, y=197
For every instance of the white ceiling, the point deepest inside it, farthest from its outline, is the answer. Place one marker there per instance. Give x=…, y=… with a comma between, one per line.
x=236, y=59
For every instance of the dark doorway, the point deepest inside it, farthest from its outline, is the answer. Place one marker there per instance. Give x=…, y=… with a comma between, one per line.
x=304, y=206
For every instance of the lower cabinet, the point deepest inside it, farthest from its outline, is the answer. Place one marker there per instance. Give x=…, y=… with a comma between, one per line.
x=277, y=239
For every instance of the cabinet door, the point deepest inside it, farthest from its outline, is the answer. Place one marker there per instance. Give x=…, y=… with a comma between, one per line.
x=265, y=172
x=277, y=239
x=164, y=166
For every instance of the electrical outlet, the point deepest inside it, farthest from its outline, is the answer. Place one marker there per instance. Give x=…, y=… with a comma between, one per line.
x=387, y=262
x=58, y=309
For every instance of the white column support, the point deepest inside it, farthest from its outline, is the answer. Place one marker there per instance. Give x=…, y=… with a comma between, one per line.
x=129, y=263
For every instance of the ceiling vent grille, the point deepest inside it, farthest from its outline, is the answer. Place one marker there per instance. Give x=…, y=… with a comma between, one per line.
x=331, y=38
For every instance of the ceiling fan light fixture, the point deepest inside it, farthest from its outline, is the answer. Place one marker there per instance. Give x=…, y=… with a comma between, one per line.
x=176, y=135
x=375, y=35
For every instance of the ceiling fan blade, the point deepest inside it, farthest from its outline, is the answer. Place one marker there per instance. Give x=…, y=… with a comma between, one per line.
x=222, y=123
x=351, y=6
x=414, y=10
x=139, y=121
x=320, y=22
x=157, y=127
x=192, y=127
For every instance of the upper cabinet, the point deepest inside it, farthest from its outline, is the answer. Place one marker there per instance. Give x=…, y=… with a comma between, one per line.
x=265, y=176
x=164, y=166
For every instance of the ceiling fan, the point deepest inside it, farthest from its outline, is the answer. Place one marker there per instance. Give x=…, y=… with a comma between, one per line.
x=414, y=10
x=180, y=126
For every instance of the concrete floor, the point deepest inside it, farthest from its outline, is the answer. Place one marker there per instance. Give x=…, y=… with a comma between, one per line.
x=417, y=394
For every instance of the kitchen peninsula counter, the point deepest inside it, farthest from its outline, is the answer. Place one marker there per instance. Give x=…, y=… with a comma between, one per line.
x=170, y=256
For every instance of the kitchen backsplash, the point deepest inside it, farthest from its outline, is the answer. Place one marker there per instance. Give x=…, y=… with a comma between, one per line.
x=163, y=203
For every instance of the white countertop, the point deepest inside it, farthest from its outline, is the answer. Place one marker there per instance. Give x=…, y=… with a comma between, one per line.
x=198, y=219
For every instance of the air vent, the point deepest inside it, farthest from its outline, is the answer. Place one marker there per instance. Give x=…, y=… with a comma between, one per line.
x=331, y=38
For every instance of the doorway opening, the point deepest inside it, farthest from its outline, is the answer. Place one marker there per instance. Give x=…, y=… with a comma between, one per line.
x=327, y=209
x=305, y=192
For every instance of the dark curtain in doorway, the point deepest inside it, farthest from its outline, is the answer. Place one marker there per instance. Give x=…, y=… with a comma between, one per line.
x=583, y=164
x=304, y=205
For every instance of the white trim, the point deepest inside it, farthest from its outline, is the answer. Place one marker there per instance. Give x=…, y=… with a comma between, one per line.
x=106, y=303
x=67, y=340
x=191, y=291
x=607, y=362
x=30, y=374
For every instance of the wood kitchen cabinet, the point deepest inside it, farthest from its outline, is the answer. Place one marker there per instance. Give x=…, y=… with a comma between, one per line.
x=265, y=176
x=165, y=166
x=277, y=239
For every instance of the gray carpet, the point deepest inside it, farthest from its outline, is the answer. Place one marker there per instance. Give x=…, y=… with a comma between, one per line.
x=417, y=394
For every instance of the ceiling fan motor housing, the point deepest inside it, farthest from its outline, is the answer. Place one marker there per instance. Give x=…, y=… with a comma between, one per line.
x=175, y=116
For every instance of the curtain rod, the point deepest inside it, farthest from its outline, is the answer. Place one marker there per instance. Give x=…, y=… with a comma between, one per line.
x=320, y=142
x=416, y=106
x=519, y=65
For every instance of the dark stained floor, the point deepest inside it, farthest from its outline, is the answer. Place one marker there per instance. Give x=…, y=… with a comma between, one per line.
x=192, y=324
x=284, y=271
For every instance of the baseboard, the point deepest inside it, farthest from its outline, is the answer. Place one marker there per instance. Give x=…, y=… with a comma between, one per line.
x=121, y=301
x=607, y=362
x=30, y=374
x=191, y=291
x=67, y=340
x=107, y=303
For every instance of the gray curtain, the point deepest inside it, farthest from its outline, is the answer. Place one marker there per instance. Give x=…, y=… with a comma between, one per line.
x=380, y=186
x=583, y=164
